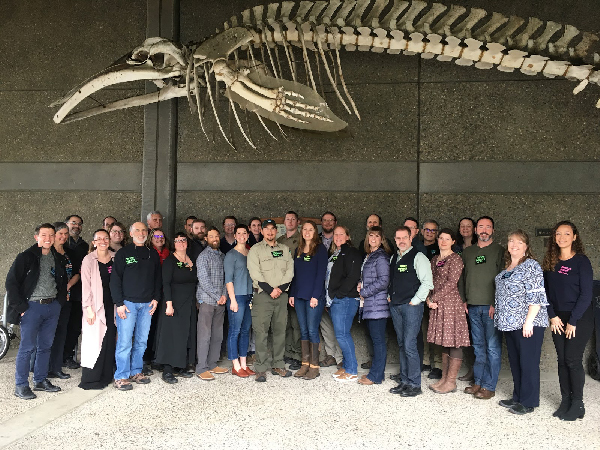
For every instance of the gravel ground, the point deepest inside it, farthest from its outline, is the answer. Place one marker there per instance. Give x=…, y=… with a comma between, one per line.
x=323, y=413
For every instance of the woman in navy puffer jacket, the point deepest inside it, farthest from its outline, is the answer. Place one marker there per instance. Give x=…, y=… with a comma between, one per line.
x=373, y=293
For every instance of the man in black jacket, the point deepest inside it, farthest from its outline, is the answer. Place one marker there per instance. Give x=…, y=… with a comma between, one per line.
x=36, y=285
x=135, y=287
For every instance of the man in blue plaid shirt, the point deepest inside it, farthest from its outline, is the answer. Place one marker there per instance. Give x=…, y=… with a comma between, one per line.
x=211, y=296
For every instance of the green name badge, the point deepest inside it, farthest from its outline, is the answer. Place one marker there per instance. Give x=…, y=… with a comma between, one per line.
x=277, y=253
x=402, y=268
x=307, y=258
x=334, y=258
x=130, y=260
x=480, y=259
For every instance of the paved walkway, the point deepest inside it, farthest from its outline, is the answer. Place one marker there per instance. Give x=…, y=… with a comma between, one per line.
x=283, y=413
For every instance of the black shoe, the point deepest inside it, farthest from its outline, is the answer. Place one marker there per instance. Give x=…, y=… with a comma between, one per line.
x=576, y=411
x=183, y=373
x=366, y=365
x=24, y=392
x=395, y=377
x=261, y=377
x=70, y=363
x=60, y=374
x=45, y=386
x=425, y=367
x=147, y=371
x=169, y=378
x=565, y=404
x=158, y=367
x=411, y=391
x=435, y=374
x=519, y=409
x=287, y=359
x=508, y=403
x=398, y=389
x=295, y=364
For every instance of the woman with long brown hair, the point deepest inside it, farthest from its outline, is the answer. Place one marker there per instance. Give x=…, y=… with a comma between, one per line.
x=522, y=315
x=569, y=279
x=159, y=242
x=307, y=296
x=118, y=236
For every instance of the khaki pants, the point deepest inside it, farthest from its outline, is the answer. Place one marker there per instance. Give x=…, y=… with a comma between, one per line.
x=269, y=313
x=331, y=344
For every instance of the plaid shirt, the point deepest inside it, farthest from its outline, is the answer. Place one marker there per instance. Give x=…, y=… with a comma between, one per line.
x=211, y=276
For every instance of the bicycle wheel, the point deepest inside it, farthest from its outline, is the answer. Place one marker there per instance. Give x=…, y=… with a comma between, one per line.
x=4, y=341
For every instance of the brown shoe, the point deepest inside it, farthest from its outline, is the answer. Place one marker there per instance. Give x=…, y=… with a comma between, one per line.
x=139, y=378
x=219, y=370
x=284, y=373
x=206, y=376
x=469, y=376
x=365, y=381
x=328, y=361
x=445, y=362
x=123, y=385
x=484, y=394
x=340, y=371
x=472, y=389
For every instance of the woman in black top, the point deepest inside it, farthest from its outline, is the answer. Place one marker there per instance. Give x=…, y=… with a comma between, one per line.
x=568, y=278
x=176, y=341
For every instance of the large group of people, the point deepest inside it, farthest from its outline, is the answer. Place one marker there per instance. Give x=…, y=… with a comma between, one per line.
x=160, y=304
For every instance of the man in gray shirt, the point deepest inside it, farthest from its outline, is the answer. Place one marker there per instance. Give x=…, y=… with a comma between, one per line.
x=211, y=296
x=36, y=285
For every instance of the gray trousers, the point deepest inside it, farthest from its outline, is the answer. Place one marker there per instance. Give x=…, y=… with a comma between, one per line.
x=331, y=344
x=210, y=336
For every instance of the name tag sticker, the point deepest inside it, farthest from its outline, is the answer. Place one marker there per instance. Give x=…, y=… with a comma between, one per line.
x=480, y=259
x=130, y=260
x=402, y=268
x=564, y=270
x=441, y=263
x=334, y=258
x=506, y=275
x=307, y=258
x=277, y=253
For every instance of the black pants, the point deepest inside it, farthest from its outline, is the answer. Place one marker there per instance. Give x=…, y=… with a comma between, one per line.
x=56, y=354
x=524, y=357
x=73, y=329
x=571, y=375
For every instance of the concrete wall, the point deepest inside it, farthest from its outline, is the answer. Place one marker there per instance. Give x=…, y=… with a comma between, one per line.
x=435, y=140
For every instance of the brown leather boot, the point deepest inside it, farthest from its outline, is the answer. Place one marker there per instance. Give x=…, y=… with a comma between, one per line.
x=450, y=383
x=305, y=349
x=445, y=358
x=313, y=371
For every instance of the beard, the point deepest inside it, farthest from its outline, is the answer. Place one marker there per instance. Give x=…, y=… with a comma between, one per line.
x=214, y=245
x=200, y=236
x=326, y=230
x=484, y=237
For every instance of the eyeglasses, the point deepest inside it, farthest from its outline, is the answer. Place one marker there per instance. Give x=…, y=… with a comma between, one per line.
x=74, y=222
x=431, y=230
x=102, y=239
x=327, y=220
x=180, y=241
x=117, y=231
x=158, y=236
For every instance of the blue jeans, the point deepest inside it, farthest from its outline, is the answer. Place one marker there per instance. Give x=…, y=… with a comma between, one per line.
x=376, y=329
x=407, y=323
x=309, y=319
x=130, y=360
x=38, y=326
x=342, y=312
x=238, y=334
x=487, y=344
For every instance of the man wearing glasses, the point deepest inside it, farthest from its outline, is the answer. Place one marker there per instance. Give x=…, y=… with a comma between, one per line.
x=430, y=232
x=79, y=248
x=135, y=286
x=228, y=240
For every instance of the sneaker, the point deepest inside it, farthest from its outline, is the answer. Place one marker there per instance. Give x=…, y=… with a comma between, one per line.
x=139, y=378
x=261, y=377
x=123, y=385
x=339, y=372
x=281, y=372
x=346, y=377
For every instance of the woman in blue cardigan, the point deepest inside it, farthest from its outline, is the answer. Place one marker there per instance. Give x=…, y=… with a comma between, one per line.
x=373, y=294
x=307, y=296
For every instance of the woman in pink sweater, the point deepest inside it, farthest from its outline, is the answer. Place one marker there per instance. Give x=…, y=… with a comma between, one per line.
x=98, y=331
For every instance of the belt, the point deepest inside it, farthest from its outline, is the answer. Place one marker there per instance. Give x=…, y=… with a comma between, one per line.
x=44, y=301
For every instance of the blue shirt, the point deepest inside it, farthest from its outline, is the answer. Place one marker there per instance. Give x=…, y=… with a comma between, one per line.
x=516, y=290
x=236, y=272
x=309, y=275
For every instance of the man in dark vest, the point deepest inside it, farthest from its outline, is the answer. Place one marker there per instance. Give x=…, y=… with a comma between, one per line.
x=410, y=283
